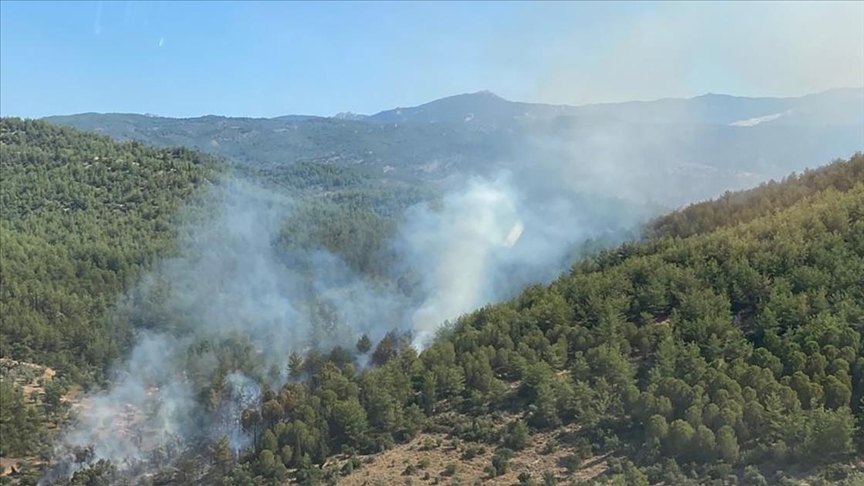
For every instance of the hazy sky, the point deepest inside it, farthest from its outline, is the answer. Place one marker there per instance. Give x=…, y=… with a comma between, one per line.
x=272, y=58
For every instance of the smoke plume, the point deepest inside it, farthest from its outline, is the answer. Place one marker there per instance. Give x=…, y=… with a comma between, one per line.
x=232, y=305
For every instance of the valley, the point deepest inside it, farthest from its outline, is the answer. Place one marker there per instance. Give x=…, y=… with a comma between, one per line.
x=284, y=310
x=431, y=243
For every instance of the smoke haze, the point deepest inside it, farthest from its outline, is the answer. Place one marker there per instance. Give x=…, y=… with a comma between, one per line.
x=681, y=49
x=232, y=290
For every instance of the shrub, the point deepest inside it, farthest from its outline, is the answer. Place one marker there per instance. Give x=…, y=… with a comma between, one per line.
x=471, y=452
x=571, y=462
x=500, y=460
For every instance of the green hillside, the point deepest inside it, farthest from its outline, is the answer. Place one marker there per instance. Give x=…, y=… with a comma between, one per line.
x=80, y=217
x=723, y=348
x=671, y=151
x=83, y=217
x=717, y=358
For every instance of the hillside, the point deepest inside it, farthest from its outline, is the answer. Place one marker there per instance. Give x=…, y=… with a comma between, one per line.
x=733, y=208
x=474, y=109
x=715, y=355
x=673, y=151
x=725, y=343
x=84, y=218
x=402, y=151
x=81, y=216
x=839, y=106
x=730, y=356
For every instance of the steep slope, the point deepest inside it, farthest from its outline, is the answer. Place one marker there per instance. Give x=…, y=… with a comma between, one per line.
x=727, y=356
x=714, y=354
x=81, y=215
x=739, y=207
x=742, y=345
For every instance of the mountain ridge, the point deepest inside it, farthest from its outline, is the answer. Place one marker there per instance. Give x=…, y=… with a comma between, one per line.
x=705, y=145
x=730, y=351
x=490, y=95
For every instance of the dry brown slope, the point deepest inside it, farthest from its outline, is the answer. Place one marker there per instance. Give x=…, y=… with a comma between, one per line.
x=389, y=467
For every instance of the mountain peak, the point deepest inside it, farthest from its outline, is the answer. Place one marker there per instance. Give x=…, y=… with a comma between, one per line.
x=486, y=92
x=347, y=115
x=480, y=107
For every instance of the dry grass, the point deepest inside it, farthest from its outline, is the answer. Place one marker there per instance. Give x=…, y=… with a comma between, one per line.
x=30, y=388
x=388, y=468
x=6, y=464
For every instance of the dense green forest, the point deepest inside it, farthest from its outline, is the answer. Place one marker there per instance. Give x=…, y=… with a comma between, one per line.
x=725, y=357
x=80, y=217
x=724, y=348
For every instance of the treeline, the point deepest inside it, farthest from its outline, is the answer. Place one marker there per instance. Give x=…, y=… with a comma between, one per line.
x=714, y=359
x=743, y=206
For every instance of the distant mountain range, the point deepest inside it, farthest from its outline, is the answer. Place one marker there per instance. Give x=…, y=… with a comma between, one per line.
x=678, y=149
x=841, y=106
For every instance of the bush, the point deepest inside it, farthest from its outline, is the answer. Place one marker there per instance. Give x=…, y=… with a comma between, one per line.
x=450, y=469
x=571, y=462
x=752, y=477
x=429, y=444
x=836, y=472
x=500, y=461
x=517, y=436
x=472, y=451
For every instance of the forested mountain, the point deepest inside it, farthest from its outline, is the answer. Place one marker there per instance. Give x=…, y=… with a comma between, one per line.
x=80, y=217
x=840, y=106
x=670, y=151
x=722, y=348
x=725, y=357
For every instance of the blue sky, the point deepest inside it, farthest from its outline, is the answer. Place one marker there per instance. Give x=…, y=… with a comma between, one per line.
x=273, y=58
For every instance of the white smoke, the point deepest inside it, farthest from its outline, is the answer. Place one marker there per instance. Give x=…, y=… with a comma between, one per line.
x=246, y=393
x=482, y=242
x=453, y=246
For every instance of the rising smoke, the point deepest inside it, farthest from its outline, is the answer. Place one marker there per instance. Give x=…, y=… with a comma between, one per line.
x=232, y=294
